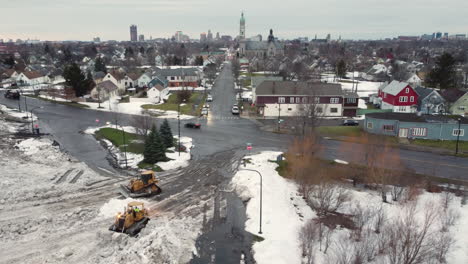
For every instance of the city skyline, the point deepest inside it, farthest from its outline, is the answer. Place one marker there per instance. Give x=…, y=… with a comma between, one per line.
x=110, y=20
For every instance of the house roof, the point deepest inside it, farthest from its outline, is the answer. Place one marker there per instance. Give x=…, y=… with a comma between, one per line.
x=350, y=95
x=394, y=87
x=159, y=87
x=117, y=75
x=298, y=88
x=108, y=86
x=134, y=76
x=452, y=95
x=423, y=92
x=411, y=117
x=33, y=74
x=177, y=72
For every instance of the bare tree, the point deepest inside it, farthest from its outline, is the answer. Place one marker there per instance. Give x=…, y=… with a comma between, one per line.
x=361, y=217
x=379, y=219
x=327, y=197
x=142, y=124
x=307, y=237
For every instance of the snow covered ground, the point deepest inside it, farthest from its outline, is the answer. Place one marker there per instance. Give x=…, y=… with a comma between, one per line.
x=133, y=159
x=133, y=108
x=285, y=213
x=364, y=88
x=55, y=209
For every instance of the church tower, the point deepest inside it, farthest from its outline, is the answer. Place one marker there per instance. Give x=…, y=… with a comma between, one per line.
x=242, y=27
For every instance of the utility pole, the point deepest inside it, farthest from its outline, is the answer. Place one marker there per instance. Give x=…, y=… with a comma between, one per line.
x=261, y=193
x=279, y=115
x=125, y=147
x=458, y=136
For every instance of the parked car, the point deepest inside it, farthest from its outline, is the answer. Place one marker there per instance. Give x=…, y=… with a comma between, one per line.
x=192, y=125
x=235, y=110
x=12, y=94
x=350, y=122
x=209, y=98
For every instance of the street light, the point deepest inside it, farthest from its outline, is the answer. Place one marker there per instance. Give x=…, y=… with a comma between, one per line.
x=178, y=120
x=261, y=193
x=32, y=119
x=458, y=135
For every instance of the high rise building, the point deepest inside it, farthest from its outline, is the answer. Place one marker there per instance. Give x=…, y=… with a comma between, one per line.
x=141, y=38
x=210, y=35
x=217, y=36
x=133, y=33
x=203, y=37
x=438, y=35
x=242, y=27
x=97, y=39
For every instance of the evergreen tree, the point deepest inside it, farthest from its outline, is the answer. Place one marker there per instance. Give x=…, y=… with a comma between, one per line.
x=158, y=148
x=10, y=61
x=128, y=52
x=341, y=69
x=199, y=61
x=99, y=65
x=142, y=50
x=75, y=78
x=154, y=149
x=47, y=48
x=89, y=82
x=149, y=143
x=166, y=134
x=444, y=73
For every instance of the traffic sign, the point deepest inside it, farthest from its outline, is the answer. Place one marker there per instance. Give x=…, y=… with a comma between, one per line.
x=249, y=147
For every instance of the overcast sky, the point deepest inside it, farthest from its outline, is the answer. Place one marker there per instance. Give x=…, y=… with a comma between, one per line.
x=110, y=19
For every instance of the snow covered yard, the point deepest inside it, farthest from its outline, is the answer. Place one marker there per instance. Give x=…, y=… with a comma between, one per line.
x=284, y=211
x=362, y=227
x=176, y=161
x=133, y=108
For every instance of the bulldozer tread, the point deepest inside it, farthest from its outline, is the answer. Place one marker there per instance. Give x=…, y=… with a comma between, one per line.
x=64, y=176
x=77, y=176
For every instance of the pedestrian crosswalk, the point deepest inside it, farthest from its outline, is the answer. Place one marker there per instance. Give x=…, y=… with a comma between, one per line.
x=210, y=117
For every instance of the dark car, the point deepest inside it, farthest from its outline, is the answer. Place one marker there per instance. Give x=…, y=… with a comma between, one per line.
x=12, y=94
x=192, y=125
x=350, y=122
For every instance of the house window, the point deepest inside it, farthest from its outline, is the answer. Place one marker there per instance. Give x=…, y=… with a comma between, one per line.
x=289, y=109
x=319, y=110
x=458, y=132
x=419, y=132
x=411, y=99
x=351, y=100
x=334, y=100
x=298, y=100
x=384, y=95
x=291, y=100
x=388, y=127
x=370, y=125
x=407, y=90
x=461, y=108
x=403, y=99
x=334, y=110
x=304, y=100
x=316, y=100
x=281, y=100
x=172, y=78
x=402, y=109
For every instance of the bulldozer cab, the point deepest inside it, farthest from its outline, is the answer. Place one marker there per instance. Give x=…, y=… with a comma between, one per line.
x=146, y=176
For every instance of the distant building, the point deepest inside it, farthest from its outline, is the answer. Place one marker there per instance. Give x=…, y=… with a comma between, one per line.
x=408, y=38
x=226, y=38
x=203, y=37
x=261, y=49
x=438, y=35
x=242, y=27
x=217, y=36
x=97, y=39
x=398, y=97
x=210, y=35
x=446, y=35
x=178, y=36
x=141, y=38
x=133, y=33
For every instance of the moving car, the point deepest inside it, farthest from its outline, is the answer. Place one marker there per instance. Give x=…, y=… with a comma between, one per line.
x=209, y=98
x=12, y=94
x=204, y=111
x=193, y=125
x=235, y=110
x=350, y=122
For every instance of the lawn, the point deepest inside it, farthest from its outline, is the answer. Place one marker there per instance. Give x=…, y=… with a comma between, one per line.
x=346, y=131
x=116, y=137
x=445, y=144
x=171, y=105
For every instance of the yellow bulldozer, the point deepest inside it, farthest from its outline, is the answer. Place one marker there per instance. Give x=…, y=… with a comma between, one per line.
x=142, y=186
x=132, y=220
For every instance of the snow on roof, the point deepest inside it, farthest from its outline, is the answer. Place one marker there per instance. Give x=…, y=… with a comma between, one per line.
x=395, y=87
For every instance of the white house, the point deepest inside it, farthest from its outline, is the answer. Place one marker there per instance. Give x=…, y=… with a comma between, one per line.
x=155, y=93
x=104, y=90
x=115, y=78
x=414, y=80
x=143, y=80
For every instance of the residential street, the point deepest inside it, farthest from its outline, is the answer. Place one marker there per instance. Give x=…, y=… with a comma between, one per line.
x=220, y=144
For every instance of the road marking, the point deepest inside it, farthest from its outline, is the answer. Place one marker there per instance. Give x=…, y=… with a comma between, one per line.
x=104, y=170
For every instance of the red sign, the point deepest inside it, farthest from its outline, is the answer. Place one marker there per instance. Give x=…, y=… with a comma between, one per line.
x=249, y=147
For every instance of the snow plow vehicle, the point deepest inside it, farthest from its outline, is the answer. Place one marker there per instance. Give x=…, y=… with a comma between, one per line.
x=134, y=218
x=143, y=186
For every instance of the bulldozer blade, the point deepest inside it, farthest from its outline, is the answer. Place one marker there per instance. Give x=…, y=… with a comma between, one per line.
x=127, y=194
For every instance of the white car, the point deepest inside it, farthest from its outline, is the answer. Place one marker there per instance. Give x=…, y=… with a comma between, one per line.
x=235, y=110
x=204, y=111
x=209, y=98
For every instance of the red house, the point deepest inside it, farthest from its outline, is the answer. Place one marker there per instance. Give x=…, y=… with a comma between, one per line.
x=399, y=97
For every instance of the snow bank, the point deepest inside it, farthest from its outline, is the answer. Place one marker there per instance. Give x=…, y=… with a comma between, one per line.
x=32, y=146
x=284, y=211
x=54, y=98
x=178, y=161
x=113, y=206
x=168, y=114
x=15, y=113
